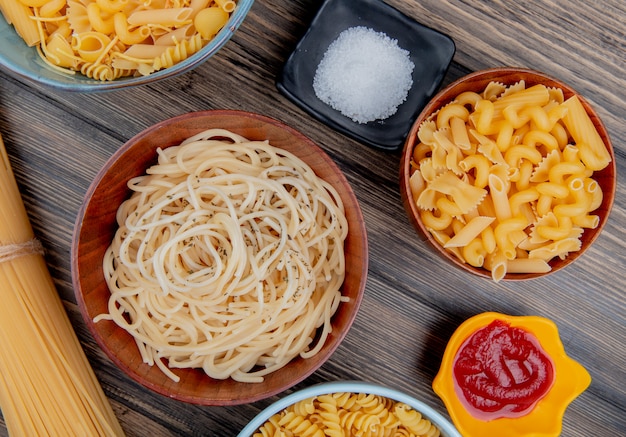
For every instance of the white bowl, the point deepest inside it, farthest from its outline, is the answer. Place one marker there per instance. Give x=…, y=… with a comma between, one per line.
x=445, y=426
x=24, y=62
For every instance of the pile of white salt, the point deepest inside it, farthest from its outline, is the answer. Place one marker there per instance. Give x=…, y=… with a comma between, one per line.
x=364, y=74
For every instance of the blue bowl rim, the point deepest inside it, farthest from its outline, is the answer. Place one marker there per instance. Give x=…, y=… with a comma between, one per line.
x=446, y=427
x=91, y=85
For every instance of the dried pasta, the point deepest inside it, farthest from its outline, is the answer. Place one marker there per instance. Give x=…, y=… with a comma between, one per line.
x=229, y=258
x=503, y=179
x=348, y=415
x=47, y=386
x=97, y=37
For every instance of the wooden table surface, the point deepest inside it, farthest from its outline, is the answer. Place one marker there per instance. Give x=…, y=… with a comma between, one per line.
x=57, y=142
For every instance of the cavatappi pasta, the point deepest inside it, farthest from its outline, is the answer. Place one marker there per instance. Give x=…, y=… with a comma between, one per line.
x=108, y=39
x=229, y=258
x=503, y=179
x=47, y=386
x=348, y=415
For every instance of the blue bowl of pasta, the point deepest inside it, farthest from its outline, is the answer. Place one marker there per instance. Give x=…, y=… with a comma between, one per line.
x=90, y=47
x=354, y=407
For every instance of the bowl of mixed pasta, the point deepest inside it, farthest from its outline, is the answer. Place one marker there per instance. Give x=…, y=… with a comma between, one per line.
x=350, y=408
x=508, y=174
x=102, y=45
x=219, y=257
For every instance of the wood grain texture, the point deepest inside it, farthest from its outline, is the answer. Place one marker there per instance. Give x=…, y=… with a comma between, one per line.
x=58, y=141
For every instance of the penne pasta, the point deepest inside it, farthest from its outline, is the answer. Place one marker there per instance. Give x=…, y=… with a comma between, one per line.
x=171, y=17
x=527, y=265
x=592, y=150
x=19, y=15
x=469, y=232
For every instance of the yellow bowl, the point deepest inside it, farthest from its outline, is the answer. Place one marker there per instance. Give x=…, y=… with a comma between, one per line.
x=546, y=418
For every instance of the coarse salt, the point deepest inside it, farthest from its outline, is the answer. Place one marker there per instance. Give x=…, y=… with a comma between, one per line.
x=364, y=74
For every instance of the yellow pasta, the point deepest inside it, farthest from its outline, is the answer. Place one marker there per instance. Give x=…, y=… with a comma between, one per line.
x=448, y=112
x=592, y=150
x=226, y=5
x=474, y=252
x=112, y=6
x=470, y=231
x=348, y=414
x=527, y=265
x=518, y=160
x=19, y=15
x=209, y=21
x=74, y=35
x=98, y=21
x=170, y=17
x=47, y=386
x=498, y=191
x=464, y=194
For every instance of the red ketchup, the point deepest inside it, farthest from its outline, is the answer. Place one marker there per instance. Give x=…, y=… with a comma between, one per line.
x=501, y=371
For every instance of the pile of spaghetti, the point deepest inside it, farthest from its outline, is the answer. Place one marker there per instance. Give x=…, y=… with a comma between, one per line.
x=47, y=386
x=229, y=257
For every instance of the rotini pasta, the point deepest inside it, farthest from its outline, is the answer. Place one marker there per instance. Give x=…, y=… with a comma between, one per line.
x=503, y=179
x=347, y=415
x=97, y=37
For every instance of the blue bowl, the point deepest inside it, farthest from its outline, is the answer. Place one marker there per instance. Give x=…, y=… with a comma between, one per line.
x=446, y=428
x=24, y=62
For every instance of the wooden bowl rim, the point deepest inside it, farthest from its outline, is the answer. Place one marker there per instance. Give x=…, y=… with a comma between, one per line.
x=501, y=74
x=216, y=396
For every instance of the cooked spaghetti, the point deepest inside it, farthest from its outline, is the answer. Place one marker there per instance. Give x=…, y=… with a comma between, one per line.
x=47, y=386
x=229, y=257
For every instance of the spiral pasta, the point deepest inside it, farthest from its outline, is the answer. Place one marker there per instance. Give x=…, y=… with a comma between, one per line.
x=228, y=258
x=346, y=415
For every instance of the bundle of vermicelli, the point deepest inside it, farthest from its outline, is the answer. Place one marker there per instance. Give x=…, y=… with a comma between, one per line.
x=47, y=386
x=229, y=256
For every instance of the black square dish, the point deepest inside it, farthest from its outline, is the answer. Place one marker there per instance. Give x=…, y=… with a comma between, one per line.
x=431, y=52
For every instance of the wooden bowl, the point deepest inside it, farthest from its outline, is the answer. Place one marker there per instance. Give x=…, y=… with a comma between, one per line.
x=96, y=225
x=477, y=82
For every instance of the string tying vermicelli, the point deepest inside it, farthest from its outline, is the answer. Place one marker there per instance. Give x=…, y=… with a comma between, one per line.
x=9, y=252
x=228, y=257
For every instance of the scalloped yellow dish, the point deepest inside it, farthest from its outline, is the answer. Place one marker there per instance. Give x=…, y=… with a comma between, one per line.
x=543, y=419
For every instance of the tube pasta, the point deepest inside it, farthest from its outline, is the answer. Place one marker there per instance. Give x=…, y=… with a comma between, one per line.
x=229, y=258
x=527, y=265
x=470, y=231
x=518, y=160
x=592, y=150
x=226, y=5
x=58, y=28
x=170, y=17
x=19, y=15
x=348, y=414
